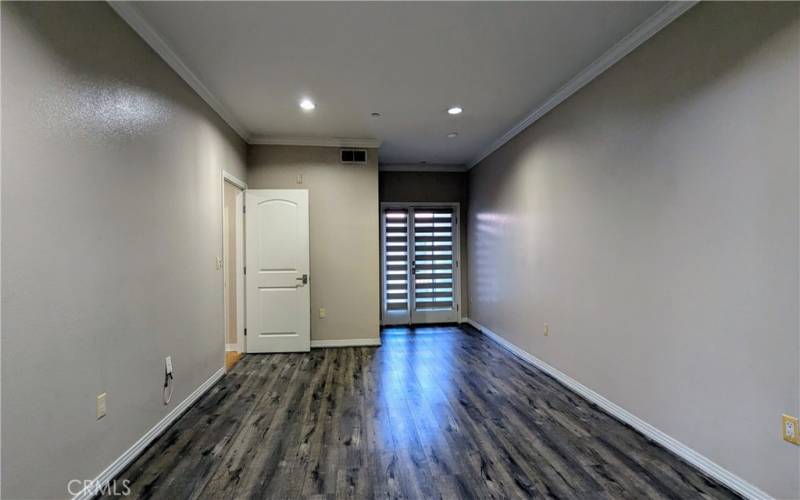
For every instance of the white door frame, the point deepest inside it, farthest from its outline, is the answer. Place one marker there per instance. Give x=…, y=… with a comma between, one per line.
x=456, y=253
x=240, y=305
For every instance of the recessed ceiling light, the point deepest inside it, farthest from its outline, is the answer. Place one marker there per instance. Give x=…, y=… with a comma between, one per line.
x=307, y=104
x=375, y=114
x=452, y=134
x=455, y=110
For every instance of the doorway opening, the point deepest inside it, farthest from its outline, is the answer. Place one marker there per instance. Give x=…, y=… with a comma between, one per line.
x=232, y=267
x=420, y=263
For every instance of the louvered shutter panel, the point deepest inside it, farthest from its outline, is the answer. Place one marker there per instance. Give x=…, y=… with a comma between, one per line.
x=396, y=260
x=433, y=263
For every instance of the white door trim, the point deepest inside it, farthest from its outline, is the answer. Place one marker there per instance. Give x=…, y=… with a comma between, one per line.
x=227, y=176
x=232, y=179
x=456, y=251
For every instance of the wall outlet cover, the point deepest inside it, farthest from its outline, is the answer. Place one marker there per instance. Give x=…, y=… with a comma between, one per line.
x=791, y=431
x=168, y=361
x=101, y=406
x=322, y=312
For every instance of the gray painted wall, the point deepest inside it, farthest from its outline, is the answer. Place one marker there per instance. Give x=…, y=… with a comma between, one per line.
x=111, y=223
x=652, y=221
x=344, y=233
x=433, y=187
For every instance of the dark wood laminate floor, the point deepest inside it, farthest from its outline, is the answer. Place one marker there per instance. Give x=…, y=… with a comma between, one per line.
x=434, y=413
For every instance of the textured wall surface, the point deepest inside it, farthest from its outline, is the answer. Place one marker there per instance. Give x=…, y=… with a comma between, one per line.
x=111, y=224
x=344, y=233
x=652, y=221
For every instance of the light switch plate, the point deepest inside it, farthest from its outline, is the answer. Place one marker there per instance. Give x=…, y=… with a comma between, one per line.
x=322, y=312
x=791, y=432
x=101, y=406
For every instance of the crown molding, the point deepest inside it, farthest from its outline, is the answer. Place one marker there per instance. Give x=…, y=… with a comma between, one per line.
x=335, y=142
x=131, y=15
x=652, y=25
x=422, y=168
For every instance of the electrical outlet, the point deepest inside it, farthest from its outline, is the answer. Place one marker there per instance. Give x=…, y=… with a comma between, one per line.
x=791, y=432
x=299, y=178
x=322, y=312
x=101, y=406
x=546, y=330
x=168, y=361
x=219, y=263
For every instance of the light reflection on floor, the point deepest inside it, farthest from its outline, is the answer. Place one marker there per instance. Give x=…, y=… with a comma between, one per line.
x=436, y=412
x=414, y=382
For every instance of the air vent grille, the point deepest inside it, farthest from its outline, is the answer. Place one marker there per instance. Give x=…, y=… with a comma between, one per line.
x=353, y=156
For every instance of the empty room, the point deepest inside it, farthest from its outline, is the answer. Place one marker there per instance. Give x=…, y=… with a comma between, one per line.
x=407, y=250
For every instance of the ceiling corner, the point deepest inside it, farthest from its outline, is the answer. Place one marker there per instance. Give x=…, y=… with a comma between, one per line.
x=644, y=31
x=128, y=12
x=335, y=142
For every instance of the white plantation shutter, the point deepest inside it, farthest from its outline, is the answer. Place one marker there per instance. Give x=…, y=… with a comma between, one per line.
x=433, y=259
x=396, y=260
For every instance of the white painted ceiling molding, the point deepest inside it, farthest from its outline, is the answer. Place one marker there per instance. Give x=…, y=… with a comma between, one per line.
x=336, y=142
x=661, y=18
x=129, y=13
x=638, y=36
x=422, y=168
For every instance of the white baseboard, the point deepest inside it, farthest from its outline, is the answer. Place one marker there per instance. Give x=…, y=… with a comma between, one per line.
x=345, y=343
x=139, y=446
x=707, y=466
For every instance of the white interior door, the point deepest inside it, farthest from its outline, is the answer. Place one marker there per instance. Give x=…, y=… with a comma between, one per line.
x=276, y=273
x=420, y=264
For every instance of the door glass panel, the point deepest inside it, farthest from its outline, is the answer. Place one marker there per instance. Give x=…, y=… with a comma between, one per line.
x=433, y=259
x=395, y=261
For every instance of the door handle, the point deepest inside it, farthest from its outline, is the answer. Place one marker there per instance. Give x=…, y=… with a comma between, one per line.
x=304, y=279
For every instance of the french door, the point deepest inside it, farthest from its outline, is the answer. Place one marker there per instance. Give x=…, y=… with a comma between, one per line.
x=419, y=259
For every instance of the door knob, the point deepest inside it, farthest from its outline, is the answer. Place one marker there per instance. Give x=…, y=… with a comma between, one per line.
x=304, y=279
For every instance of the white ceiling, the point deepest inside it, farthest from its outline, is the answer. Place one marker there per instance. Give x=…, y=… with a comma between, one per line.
x=407, y=61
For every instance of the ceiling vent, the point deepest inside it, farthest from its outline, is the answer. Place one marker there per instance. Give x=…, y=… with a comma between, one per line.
x=353, y=156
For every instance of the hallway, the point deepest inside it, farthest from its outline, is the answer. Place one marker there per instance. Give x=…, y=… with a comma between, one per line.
x=436, y=412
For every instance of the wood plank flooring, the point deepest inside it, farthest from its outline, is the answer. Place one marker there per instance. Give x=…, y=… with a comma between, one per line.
x=439, y=412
